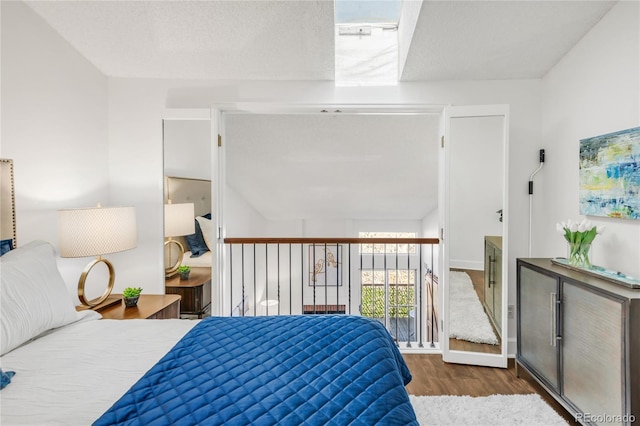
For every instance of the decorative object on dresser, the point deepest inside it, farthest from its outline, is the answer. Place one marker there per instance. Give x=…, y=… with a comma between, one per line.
x=149, y=306
x=579, y=236
x=96, y=231
x=131, y=296
x=184, y=271
x=195, y=292
x=579, y=337
x=178, y=221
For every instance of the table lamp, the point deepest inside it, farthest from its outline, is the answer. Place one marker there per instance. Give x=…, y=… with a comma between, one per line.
x=96, y=231
x=179, y=220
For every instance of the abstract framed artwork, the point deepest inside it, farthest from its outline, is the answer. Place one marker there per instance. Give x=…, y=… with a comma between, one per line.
x=610, y=175
x=325, y=265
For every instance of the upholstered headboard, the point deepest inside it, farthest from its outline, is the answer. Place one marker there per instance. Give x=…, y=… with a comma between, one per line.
x=186, y=190
x=7, y=202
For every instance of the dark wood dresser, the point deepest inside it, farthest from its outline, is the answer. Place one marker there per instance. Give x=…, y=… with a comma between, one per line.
x=195, y=292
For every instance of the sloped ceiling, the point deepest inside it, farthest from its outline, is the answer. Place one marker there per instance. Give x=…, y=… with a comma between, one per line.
x=357, y=166
x=294, y=39
x=334, y=166
x=481, y=40
x=241, y=40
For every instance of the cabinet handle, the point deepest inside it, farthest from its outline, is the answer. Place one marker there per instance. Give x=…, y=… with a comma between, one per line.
x=553, y=319
x=492, y=262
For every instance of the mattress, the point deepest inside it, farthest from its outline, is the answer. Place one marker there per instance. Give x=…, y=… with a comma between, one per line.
x=292, y=370
x=72, y=375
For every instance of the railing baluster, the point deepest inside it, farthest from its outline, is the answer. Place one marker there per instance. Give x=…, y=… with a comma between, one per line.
x=255, y=293
x=414, y=297
x=243, y=295
x=434, y=320
x=420, y=294
x=278, y=270
x=315, y=279
x=326, y=283
x=290, y=283
x=339, y=267
x=231, y=280
x=302, y=277
x=349, y=277
x=360, y=280
x=396, y=292
x=420, y=278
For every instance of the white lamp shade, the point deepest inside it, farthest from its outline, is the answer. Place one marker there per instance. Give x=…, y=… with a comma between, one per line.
x=179, y=219
x=96, y=231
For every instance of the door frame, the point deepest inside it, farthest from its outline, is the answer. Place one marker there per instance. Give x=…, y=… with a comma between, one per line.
x=457, y=356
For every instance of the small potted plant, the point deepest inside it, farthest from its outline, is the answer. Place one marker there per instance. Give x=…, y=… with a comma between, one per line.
x=131, y=295
x=184, y=272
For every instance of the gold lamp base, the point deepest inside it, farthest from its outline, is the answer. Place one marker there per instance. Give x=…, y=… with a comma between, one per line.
x=171, y=270
x=83, y=278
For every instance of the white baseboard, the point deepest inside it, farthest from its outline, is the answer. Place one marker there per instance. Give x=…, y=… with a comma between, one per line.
x=467, y=264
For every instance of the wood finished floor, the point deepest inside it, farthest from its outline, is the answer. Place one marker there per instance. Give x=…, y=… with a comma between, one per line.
x=432, y=376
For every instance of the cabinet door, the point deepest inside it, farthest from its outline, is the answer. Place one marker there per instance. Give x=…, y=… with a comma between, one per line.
x=497, y=288
x=537, y=330
x=488, y=277
x=592, y=350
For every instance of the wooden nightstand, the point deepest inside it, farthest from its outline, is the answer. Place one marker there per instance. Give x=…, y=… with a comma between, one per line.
x=150, y=306
x=195, y=292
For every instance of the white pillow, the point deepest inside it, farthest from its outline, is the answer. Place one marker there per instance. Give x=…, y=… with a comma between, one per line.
x=206, y=227
x=33, y=295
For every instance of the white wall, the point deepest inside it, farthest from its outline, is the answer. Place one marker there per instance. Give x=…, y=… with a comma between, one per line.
x=187, y=148
x=595, y=89
x=475, y=187
x=54, y=127
x=242, y=220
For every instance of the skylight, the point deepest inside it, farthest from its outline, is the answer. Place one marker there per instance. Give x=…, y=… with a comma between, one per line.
x=366, y=42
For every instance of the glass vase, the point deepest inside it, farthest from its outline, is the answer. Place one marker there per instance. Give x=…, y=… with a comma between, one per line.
x=579, y=255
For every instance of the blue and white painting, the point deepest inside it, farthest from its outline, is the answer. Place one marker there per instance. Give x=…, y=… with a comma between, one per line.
x=610, y=175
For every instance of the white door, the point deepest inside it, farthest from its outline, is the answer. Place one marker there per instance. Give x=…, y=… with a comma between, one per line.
x=474, y=196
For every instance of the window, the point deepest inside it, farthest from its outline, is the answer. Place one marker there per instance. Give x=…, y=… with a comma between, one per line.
x=387, y=248
x=366, y=42
x=401, y=287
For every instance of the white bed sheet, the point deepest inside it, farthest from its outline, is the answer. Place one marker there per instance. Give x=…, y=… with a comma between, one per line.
x=201, y=261
x=73, y=375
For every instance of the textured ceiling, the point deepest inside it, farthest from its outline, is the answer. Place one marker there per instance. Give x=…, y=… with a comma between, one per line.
x=334, y=166
x=496, y=39
x=294, y=39
x=244, y=40
x=342, y=166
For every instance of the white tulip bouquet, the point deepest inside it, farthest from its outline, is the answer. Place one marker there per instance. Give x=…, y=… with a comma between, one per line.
x=579, y=235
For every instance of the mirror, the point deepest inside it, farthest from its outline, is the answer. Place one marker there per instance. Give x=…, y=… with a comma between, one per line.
x=476, y=197
x=187, y=211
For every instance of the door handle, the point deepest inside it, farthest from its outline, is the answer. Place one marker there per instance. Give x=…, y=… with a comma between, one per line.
x=553, y=319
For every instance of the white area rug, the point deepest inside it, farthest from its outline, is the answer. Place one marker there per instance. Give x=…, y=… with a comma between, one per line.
x=468, y=321
x=530, y=410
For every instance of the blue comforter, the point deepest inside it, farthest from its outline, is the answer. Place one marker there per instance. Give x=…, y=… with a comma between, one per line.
x=282, y=370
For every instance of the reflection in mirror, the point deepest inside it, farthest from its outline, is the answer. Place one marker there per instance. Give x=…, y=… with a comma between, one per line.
x=475, y=230
x=187, y=183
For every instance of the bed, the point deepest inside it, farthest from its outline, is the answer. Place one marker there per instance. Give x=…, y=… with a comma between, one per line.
x=74, y=368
